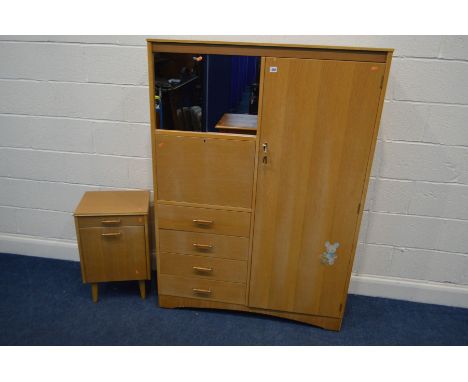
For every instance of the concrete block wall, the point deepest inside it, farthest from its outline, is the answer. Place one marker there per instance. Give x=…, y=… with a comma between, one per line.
x=74, y=117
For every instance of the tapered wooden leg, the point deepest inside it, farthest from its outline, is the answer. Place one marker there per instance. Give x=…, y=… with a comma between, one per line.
x=142, y=285
x=94, y=292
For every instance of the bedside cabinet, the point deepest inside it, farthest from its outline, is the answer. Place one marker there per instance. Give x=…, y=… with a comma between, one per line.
x=112, y=235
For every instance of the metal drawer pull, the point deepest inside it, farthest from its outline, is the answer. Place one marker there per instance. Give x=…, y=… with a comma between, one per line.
x=202, y=269
x=202, y=246
x=111, y=234
x=203, y=222
x=117, y=221
x=202, y=291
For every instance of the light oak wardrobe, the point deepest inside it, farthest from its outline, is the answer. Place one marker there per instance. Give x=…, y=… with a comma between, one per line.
x=267, y=220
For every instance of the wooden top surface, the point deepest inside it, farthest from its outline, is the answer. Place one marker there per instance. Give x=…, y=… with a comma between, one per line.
x=269, y=45
x=238, y=122
x=202, y=134
x=95, y=203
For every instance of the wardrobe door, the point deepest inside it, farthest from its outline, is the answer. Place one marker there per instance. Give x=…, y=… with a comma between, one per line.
x=317, y=128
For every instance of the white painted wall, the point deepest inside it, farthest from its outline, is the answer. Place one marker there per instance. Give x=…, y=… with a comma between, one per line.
x=74, y=117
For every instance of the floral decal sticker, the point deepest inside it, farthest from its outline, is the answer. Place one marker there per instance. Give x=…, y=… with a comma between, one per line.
x=329, y=256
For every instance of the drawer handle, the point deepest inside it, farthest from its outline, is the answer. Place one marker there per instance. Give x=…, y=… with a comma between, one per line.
x=203, y=246
x=201, y=291
x=203, y=222
x=202, y=269
x=111, y=234
x=117, y=221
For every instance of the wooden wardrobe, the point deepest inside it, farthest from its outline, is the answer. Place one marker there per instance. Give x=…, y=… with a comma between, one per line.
x=268, y=222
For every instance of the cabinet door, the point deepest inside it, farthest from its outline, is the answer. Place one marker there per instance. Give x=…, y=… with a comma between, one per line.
x=113, y=254
x=318, y=120
x=205, y=170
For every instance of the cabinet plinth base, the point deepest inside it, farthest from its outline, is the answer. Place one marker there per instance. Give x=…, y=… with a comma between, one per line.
x=329, y=323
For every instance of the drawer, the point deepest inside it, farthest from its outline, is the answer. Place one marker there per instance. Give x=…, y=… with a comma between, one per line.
x=110, y=221
x=113, y=254
x=205, y=170
x=202, y=289
x=203, y=267
x=206, y=220
x=204, y=244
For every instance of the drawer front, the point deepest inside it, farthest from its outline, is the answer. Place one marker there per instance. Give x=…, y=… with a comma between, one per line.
x=203, y=267
x=203, y=244
x=113, y=254
x=206, y=220
x=202, y=289
x=110, y=221
x=205, y=170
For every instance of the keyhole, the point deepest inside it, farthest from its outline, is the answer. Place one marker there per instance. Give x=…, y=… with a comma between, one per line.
x=265, y=153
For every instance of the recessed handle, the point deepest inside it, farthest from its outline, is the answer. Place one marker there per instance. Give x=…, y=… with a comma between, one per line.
x=203, y=222
x=110, y=234
x=115, y=221
x=202, y=269
x=203, y=246
x=201, y=291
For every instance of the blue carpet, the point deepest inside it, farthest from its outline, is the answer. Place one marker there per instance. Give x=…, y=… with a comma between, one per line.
x=43, y=302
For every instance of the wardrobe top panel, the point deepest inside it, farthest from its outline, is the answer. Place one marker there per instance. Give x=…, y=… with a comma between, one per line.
x=272, y=50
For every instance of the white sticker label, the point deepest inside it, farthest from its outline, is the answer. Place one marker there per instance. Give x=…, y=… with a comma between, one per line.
x=273, y=69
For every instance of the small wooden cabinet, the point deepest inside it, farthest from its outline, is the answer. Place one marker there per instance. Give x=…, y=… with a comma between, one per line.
x=112, y=233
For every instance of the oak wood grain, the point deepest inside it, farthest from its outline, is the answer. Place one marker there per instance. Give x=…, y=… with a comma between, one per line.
x=329, y=323
x=111, y=220
x=114, y=254
x=142, y=287
x=268, y=44
x=272, y=50
x=203, y=289
x=321, y=121
x=202, y=205
x=113, y=203
x=95, y=292
x=368, y=172
x=198, y=134
x=203, y=244
x=203, y=267
x=205, y=170
x=238, y=123
x=309, y=190
x=230, y=223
